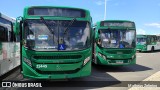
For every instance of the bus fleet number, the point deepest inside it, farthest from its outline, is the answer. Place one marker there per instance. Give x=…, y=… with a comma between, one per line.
x=41, y=66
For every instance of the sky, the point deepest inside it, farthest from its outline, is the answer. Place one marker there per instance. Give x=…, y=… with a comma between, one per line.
x=145, y=13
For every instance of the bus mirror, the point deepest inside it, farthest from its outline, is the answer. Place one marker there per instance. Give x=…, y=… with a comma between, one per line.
x=99, y=32
x=98, y=41
x=30, y=44
x=18, y=25
x=16, y=28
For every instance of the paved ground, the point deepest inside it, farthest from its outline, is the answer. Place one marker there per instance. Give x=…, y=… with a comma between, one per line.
x=148, y=63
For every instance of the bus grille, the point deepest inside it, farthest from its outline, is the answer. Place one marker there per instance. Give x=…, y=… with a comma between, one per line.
x=119, y=51
x=58, y=57
x=58, y=72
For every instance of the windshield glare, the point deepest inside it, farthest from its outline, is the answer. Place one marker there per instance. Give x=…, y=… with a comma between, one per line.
x=141, y=41
x=39, y=37
x=117, y=38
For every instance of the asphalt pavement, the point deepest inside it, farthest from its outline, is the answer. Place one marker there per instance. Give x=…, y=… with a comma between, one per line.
x=107, y=77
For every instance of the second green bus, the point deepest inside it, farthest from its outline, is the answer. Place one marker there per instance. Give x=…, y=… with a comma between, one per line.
x=115, y=43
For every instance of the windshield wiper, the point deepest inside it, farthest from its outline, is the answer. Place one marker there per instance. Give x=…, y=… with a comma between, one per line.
x=49, y=28
x=70, y=24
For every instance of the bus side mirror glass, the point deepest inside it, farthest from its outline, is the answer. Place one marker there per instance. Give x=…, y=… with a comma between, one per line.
x=18, y=25
x=99, y=32
x=98, y=41
x=30, y=44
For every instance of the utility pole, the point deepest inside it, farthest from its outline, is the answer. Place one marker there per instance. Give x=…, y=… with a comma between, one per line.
x=105, y=8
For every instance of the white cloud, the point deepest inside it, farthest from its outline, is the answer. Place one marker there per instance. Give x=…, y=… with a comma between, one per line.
x=141, y=31
x=13, y=18
x=157, y=25
x=101, y=2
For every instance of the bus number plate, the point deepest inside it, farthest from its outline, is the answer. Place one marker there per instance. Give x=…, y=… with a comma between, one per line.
x=119, y=62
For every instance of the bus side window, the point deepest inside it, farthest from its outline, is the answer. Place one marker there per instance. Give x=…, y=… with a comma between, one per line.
x=14, y=37
x=9, y=37
x=153, y=39
x=17, y=38
x=148, y=40
x=156, y=39
x=3, y=34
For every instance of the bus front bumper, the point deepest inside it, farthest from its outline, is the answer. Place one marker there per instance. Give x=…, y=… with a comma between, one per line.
x=116, y=62
x=28, y=72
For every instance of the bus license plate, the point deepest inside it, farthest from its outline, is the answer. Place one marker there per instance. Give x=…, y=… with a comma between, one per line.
x=119, y=62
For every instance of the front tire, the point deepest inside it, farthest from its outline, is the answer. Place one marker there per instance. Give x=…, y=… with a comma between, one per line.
x=94, y=55
x=152, y=49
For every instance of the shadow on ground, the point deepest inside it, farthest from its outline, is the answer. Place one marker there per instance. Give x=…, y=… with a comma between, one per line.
x=155, y=51
x=129, y=68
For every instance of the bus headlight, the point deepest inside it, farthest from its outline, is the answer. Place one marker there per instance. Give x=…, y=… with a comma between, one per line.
x=28, y=62
x=86, y=60
x=103, y=56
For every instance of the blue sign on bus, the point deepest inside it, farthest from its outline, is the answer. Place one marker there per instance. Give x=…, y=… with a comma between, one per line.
x=61, y=47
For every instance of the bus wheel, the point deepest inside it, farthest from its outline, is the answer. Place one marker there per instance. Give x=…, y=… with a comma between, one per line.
x=152, y=49
x=95, y=60
x=94, y=55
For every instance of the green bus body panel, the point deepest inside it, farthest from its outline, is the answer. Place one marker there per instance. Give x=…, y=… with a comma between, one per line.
x=127, y=56
x=28, y=72
x=29, y=54
x=112, y=56
x=57, y=64
x=61, y=67
x=101, y=61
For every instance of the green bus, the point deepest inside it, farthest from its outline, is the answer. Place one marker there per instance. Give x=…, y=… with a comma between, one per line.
x=55, y=42
x=115, y=43
x=148, y=42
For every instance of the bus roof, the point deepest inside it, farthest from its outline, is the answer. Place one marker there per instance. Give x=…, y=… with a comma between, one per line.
x=55, y=7
x=7, y=17
x=142, y=35
x=115, y=23
x=36, y=16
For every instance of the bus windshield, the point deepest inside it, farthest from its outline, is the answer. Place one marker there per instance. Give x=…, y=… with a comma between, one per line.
x=117, y=38
x=39, y=37
x=141, y=41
